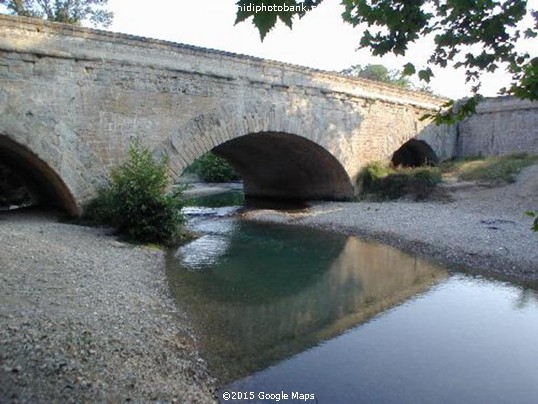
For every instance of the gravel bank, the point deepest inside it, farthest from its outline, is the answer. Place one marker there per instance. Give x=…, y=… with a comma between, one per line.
x=85, y=318
x=481, y=230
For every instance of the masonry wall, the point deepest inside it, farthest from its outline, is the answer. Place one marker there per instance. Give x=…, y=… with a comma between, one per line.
x=501, y=125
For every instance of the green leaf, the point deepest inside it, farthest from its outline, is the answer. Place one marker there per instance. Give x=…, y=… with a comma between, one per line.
x=264, y=22
x=266, y=13
x=425, y=75
x=409, y=69
x=474, y=35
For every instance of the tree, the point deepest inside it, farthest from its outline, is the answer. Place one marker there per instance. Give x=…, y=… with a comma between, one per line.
x=475, y=35
x=212, y=168
x=66, y=11
x=378, y=73
x=137, y=202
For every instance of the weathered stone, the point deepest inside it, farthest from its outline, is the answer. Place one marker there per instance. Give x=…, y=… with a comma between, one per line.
x=73, y=99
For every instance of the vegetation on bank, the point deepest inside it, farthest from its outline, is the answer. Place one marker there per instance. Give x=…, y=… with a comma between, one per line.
x=493, y=170
x=212, y=168
x=381, y=181
x=137, y=202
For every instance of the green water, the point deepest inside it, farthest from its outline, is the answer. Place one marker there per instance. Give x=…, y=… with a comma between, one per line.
x=289, y=310
x=263, y=292
x=231, y=198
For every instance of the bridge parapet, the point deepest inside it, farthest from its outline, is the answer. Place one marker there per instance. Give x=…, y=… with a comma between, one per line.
x=40, y=37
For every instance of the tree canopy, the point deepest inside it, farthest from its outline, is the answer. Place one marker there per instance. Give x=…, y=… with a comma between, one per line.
x=66, y=11
x=474, y=35
x=378, y=73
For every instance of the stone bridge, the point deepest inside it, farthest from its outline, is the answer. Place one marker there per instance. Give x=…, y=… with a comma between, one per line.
x=73, y=99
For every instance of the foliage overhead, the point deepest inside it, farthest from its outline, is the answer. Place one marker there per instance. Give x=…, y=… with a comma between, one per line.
x=475, y=35
x=66, y=11
x=382, y=74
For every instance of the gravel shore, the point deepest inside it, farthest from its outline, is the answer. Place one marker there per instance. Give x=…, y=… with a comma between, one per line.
x=478, y=229
x=86, y=318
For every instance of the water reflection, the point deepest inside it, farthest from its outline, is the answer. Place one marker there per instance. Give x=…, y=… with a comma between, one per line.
x=463, y=341
x=527, y=298
x=230, y=198
x=262, y=293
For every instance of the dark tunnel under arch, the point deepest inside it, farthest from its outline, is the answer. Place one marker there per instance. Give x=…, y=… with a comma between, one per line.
x=414, y=153
x=42, y=181
x=276, y=165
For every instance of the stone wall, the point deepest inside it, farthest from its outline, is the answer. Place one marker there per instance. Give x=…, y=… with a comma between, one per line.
x=501, y=125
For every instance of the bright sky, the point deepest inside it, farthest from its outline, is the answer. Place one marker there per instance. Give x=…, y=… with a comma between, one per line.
x=320, y=40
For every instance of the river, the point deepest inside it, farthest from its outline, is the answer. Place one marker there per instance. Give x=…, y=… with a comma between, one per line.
x=293, y=314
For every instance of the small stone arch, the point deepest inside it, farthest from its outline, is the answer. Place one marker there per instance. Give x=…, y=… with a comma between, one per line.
x=414, y=153
x=52, y=155
x=45, y=184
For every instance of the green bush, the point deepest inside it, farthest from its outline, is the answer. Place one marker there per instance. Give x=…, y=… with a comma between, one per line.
x=212, y=168
x=379, y=181
x=136, y=201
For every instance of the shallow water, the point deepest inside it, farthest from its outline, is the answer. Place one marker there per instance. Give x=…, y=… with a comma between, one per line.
x=230, y=198
x=284, y=309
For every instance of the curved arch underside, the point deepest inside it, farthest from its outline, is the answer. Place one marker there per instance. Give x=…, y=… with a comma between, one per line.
x=278, y=165
x=414, y=153
x=41, y=179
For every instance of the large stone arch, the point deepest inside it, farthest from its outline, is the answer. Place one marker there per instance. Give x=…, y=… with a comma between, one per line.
x=286, y=166
x=280, y=154
x=50, y=155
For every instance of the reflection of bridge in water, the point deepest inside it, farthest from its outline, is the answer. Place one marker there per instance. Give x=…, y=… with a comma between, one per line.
x=360, y=281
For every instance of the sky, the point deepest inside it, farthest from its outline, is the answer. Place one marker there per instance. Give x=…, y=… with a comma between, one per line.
x=320, y=40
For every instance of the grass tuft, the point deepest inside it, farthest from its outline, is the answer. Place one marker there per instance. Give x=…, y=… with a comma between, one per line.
x=494, y=170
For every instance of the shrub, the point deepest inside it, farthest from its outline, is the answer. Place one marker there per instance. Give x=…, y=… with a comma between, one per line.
x=379, y=181
x=212, y=168
x=136, y=201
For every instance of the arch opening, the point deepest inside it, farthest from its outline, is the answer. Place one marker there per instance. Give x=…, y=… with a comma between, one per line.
x=26, y=180
x=414, y=153
x=281, y=166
